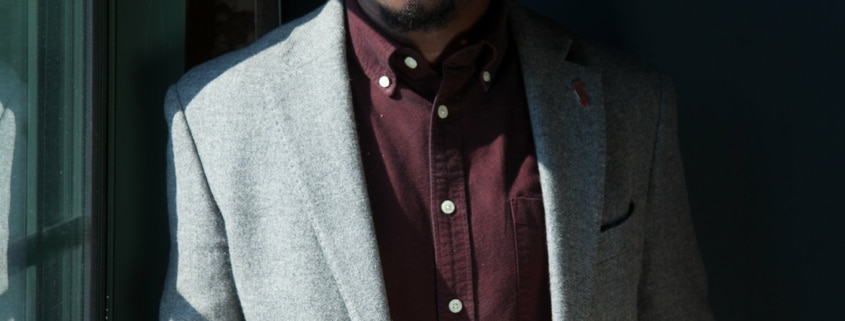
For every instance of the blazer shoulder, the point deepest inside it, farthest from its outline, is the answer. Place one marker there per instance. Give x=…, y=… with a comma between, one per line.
x=277, y=54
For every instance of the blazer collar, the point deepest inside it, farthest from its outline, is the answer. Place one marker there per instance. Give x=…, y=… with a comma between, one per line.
x=566, y=107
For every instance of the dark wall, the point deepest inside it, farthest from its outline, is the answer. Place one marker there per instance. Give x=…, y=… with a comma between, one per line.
x=147, y=46
x=762, y=135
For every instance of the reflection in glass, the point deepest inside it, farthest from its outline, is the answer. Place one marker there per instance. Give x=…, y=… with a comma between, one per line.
x=44, y=159
x=12, y=197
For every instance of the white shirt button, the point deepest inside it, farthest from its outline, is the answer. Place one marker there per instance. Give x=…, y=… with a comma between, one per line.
x=411, y=62
x=442, y=111
x=448, y=207
x=384, y=82
x=455, y=306
x=486, y=76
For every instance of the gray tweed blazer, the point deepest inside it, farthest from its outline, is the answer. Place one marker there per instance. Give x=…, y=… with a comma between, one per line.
x=268, y=207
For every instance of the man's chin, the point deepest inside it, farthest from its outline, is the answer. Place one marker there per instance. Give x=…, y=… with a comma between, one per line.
x=415, y=15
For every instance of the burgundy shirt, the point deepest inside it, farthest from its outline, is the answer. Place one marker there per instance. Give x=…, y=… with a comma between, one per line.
x=451, y=174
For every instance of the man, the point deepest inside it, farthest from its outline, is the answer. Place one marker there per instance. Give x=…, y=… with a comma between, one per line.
x=428, y=159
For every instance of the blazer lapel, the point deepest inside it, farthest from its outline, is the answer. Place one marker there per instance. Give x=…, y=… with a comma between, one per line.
x=566, y=107
x=340, y=211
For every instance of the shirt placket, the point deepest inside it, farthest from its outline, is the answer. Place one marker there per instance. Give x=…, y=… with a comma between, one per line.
x=449, y=210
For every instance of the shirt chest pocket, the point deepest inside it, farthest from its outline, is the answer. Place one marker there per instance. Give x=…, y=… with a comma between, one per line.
x=532, y=258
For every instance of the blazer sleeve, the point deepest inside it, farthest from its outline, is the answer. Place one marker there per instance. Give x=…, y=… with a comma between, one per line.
x=199, y=283
x=673, y=282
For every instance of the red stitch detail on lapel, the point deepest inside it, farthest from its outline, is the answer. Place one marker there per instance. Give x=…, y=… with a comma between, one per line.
x=582, y=94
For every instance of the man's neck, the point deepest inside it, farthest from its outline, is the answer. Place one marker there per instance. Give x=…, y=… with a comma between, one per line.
x=433, y=43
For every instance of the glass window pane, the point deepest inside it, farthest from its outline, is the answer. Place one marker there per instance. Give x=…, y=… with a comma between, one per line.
x=44, y=159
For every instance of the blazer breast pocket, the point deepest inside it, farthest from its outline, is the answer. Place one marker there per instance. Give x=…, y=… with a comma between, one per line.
x=621, y=233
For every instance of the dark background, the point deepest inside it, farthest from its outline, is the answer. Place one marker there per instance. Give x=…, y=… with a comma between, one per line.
x=762, y=135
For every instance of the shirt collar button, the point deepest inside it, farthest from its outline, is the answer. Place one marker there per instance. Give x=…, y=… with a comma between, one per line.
x=411, y=62
x=384, y=81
